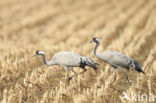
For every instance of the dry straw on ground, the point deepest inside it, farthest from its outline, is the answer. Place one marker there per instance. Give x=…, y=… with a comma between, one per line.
x=127, y=26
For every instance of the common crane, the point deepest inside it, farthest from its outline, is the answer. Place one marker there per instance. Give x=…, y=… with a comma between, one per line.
x=116, y=60
x=68, y=60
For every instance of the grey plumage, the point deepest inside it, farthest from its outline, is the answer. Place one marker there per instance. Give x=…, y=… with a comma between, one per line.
x=117, y=60
x=68, y=60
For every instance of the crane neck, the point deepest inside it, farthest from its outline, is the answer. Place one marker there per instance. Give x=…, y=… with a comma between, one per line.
x=45, y=61
x=96, y=46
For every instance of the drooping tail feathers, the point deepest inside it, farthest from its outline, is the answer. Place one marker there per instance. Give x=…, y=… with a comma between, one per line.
x=138, y=68
x=89, y=62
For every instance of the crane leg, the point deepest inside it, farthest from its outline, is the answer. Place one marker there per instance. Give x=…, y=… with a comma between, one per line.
x=84, y=70
x=124, y=73
x=114, y=73
x=67, y=73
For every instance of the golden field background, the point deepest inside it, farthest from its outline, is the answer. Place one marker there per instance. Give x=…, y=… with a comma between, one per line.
x=127, y=26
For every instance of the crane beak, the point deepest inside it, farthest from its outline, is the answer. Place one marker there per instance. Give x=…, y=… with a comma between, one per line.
x=91, y=41
x=34, y=55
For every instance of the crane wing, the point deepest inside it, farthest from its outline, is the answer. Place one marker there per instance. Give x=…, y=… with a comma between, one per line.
x=115, y=59
x=67, y=59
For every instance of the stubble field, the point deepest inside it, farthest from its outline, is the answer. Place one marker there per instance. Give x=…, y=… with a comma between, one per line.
x=126, y=26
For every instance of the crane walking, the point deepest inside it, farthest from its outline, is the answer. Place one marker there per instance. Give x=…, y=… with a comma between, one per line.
x=116, y=60
x=68, y=60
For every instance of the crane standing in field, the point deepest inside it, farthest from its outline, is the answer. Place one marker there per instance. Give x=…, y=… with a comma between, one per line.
x=117, y=60
x=68, y=60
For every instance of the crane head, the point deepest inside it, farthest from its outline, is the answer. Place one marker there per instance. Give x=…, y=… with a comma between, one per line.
x=39, y=52
x=96, y=40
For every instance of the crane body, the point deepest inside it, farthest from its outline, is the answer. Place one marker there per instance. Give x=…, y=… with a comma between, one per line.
x=116, y=60
x=68, y=60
